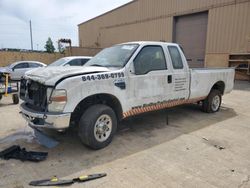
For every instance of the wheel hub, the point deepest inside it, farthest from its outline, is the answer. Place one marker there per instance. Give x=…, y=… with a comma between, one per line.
x=215, y=103
x=103, y=128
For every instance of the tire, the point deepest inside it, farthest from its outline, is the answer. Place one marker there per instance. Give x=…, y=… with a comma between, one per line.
x=213, y=102
x=15, y=98
x=97, y=126
x=1, y=97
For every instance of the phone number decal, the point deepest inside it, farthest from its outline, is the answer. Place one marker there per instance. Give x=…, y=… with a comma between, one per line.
x=103, y=76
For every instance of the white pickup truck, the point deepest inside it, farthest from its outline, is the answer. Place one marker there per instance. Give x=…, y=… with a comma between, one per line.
x=121, y=81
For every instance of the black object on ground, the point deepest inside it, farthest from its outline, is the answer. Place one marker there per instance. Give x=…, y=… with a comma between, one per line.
x=219, y=147
x=44, y=139
x=55, y=181
x=16, y=152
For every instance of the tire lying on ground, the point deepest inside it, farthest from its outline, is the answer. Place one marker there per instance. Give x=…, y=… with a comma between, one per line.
x=213, y=102
x=97, y=126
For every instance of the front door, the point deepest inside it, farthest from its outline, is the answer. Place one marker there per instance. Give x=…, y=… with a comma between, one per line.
x=148, y=85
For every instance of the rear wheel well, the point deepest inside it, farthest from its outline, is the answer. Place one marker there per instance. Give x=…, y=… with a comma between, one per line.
x=220, y=86
x=105, y=99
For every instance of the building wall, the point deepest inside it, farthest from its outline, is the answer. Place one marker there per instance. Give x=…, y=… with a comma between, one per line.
x=77, y=51
x=228, y=25
x=229, y=29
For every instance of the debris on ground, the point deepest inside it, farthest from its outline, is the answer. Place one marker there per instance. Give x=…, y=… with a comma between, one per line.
x=214, y=145
x=55, y=181
x=219, y=147
x=16, y=152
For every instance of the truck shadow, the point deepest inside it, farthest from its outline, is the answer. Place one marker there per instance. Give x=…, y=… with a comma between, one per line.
x=8, y=104
x=134, y=135
x=242, y=85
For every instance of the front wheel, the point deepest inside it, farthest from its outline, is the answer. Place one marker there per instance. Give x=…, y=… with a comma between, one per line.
x=213, y=102
x=97, y=126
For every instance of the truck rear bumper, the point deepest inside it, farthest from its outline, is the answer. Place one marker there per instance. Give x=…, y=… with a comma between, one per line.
x=45, y=120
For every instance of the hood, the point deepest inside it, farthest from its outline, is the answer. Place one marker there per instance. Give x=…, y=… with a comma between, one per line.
x=50, y=75
x=5, y=70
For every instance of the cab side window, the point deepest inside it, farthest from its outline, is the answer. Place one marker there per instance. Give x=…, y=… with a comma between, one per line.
x=150, y=58
x=175, y=57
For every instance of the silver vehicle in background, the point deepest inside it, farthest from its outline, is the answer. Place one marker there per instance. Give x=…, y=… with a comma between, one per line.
x=19, y=68
x=71, y=61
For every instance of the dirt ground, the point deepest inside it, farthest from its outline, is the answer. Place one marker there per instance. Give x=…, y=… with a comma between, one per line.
x=194, y=150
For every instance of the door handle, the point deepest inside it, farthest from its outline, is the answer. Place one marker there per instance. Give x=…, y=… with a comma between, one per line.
x=121, y=85
x=169, y=79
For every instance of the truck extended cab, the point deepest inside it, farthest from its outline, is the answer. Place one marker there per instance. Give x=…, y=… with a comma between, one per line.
x=121, y=81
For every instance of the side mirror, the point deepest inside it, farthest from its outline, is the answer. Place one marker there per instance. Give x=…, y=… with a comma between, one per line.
x=13, y=69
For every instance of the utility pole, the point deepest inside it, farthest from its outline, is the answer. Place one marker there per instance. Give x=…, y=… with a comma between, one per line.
x=31, y=40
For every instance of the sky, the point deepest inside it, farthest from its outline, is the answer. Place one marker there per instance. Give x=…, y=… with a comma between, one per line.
x=50, y=18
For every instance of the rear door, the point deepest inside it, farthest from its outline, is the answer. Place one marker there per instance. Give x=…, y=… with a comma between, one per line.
x=180, y=73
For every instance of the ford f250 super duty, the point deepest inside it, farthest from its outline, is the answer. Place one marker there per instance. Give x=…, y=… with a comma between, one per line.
x=121, y=81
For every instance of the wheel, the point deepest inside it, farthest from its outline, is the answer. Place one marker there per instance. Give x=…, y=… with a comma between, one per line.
x=15, y=98
x=212, y=103
x=1, y=97
x=97, y=126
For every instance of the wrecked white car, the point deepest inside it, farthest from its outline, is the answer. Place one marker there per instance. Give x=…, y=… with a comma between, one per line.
x=119, y=82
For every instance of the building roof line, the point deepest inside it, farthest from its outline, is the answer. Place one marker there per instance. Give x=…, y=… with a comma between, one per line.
x=133, y=1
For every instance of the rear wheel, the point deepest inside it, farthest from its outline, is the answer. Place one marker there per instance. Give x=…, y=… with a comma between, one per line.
x=212, y=103
x=15, y=98
x=97, y=126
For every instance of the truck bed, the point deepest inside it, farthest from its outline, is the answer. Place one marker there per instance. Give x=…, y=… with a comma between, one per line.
x=203, y=79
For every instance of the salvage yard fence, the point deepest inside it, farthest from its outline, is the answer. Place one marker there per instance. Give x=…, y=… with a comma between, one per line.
x=7, y=57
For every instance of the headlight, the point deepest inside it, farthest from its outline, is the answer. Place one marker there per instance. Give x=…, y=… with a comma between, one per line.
x=57, y=100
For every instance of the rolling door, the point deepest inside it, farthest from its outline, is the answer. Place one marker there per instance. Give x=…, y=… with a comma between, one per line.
x=190, y=32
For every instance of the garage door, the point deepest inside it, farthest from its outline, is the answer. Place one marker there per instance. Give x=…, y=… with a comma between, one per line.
x=191, y=32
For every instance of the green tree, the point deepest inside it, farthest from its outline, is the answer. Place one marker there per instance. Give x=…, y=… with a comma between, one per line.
x=49, y=46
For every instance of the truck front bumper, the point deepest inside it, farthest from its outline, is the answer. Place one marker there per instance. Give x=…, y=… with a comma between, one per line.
x=45, y=120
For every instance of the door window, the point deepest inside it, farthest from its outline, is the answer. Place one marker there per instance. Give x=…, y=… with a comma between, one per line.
x=75, y=62
x=34, y=65
x=84, y=61
x=150, y=58
x=21, y=66
x=175, y=57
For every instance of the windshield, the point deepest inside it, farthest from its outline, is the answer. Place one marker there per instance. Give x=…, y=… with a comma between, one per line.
x=115, y=56
x=9, y=66
x=58, y=62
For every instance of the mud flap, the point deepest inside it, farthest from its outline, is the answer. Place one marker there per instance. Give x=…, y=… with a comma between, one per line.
x=44, y=139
